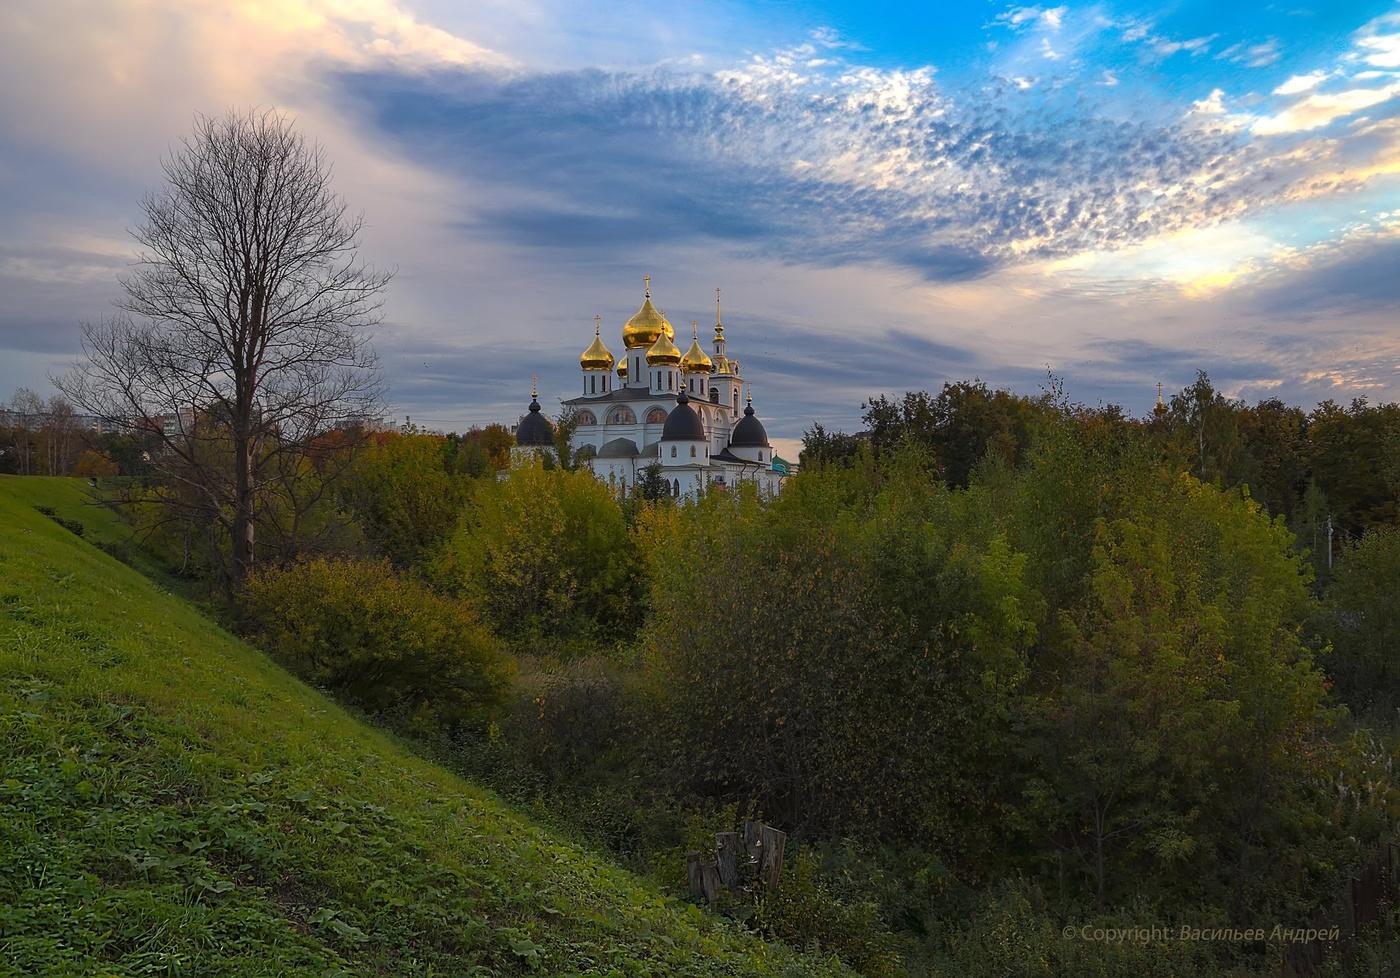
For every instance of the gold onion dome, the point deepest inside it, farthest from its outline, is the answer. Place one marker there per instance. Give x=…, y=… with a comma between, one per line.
x=696, y=361
x=663, y=353
x=622, y=369
x=597, y=356
x=646, y=325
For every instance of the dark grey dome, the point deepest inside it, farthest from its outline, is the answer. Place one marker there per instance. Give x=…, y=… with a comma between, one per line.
x=749, y=432
x=534, y=429
x=619, y=448
x=683, y=424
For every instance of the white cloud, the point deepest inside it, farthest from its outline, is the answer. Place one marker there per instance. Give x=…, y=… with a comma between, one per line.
x=1046, y=19
x=1301, y=83
x=1109, y=79
x=1379, y=42
x=1252, y=55
x=1321, y=108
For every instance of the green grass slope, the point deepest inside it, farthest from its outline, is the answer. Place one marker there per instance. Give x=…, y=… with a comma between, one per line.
x=173, y=803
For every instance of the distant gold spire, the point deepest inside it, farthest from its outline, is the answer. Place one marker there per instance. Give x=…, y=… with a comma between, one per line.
x=1160, y=408
x=719, y=320
x=597, y=356
x=696, y=361
x=663, y=352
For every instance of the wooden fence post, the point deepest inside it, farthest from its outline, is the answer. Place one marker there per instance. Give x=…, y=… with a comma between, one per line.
x=709, y=880
x=753, y=841
x=774, y=845
x=692, y=873
x=727, y=857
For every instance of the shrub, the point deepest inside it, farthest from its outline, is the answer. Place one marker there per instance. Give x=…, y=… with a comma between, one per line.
x=805, y=913
x=384, y=642
x=547, y=558
x=1361, y=618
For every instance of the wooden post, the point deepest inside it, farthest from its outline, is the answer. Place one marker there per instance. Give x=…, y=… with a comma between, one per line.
x=709, y=880
x=693, y=873
x=753, y=841
x=774, y=845
x=727, y=857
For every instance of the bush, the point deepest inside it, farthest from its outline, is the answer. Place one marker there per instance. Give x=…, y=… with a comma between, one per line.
x=1361, y=618
x=380, y=640
x=805, y=913
x=547, y=558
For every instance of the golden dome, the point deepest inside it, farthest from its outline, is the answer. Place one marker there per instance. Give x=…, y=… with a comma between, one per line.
x=622, y=368
x=644, y=327
x=663, y=353
x=597, y=356
x=695, y=360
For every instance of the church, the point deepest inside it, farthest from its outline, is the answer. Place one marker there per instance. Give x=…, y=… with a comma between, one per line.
x=688, y=413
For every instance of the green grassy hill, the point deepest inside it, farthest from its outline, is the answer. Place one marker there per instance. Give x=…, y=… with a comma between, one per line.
x=173, y=803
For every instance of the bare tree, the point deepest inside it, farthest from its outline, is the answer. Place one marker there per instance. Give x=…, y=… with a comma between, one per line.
x=245, y=327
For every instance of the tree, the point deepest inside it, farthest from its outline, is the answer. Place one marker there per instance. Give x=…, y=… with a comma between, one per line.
x=26, y=417
x=403, y=494
x=246, y=323
x=1361, y=618
x=93, y=464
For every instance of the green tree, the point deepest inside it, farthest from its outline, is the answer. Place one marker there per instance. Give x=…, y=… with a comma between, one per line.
x=404, y=495
x=1361, y=618
x=547, y=556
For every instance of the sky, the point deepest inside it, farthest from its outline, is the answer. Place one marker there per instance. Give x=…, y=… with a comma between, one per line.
x=891, y=196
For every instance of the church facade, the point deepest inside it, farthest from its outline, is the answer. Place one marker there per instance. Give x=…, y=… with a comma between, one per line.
x=689, y=413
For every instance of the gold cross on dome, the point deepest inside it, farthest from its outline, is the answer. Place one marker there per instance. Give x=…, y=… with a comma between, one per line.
x=647, y=280
x=597, y=325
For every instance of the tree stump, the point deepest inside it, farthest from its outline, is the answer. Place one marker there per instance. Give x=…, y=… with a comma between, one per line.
x=709, y=880
x=771, y=865
x=727, y=848
x=693, y=861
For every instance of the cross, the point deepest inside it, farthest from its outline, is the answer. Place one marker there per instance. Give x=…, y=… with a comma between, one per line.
x=647, y=280
x=534, y=387
x=597, y=325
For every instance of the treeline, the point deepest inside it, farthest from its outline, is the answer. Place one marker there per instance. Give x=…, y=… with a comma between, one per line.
x=1001, y=665
x=1337, y=462
x=50, y=437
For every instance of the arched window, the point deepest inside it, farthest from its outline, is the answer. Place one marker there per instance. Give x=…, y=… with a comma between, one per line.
x=736, y=400
x=622, y=415
x=585, y=419
x=676, y=485
x=714, y=395
x=692, y=451
x=656, y=416
x=673, y=451
x=593, y=383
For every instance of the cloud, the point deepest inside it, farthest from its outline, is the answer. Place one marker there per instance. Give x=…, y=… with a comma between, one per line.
x=1040, y=18
x=1252, y=55
x=1322, y=108
x=1298, y=84
x=1379, y=42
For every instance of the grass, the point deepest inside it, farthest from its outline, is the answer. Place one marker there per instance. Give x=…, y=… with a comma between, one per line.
x=173, y=803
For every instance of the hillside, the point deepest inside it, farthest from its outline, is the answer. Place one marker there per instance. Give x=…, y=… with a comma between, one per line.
x=172, y=802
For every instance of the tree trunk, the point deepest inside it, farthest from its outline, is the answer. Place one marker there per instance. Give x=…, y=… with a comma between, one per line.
x=243, y=509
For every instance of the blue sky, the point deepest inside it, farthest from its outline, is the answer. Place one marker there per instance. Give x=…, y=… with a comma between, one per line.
x=890, y=195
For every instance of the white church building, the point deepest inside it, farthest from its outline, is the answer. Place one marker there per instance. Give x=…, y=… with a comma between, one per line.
x=690, y=413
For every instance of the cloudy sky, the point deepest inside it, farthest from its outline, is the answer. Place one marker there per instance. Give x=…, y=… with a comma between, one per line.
x=1118, y=193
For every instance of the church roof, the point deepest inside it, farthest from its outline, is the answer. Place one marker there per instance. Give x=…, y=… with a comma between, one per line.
x=619, y=448
x=749, y=432
x=534, y=429
x=683, y=424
